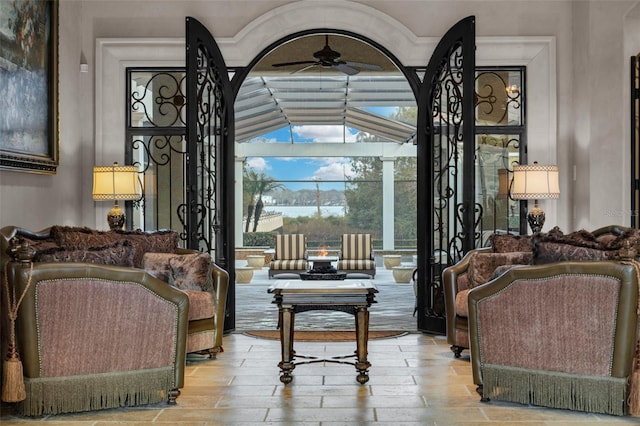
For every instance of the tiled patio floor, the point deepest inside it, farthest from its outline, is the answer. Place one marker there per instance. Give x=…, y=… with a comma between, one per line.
x=393, y=310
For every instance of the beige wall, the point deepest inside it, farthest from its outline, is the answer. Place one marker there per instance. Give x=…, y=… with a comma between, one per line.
x=592, y=44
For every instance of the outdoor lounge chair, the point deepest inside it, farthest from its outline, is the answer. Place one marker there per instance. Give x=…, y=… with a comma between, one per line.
x=290, y=256
x=356, y=256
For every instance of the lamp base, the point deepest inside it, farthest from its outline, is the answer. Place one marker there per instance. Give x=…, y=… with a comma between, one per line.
x=536, y=218
x=115, y=218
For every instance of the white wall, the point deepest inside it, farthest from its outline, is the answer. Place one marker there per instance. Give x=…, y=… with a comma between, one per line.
x=591, y=61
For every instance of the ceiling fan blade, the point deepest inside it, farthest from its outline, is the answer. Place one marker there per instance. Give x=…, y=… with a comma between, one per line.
x=304, y=69
x=364, y=66
x=346, y=69
x=285, y=64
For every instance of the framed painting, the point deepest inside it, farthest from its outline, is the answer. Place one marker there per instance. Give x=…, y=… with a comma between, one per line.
x=29, y=82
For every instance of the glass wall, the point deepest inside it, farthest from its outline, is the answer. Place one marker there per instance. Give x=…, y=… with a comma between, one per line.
x=500, y=144
x=323, y=197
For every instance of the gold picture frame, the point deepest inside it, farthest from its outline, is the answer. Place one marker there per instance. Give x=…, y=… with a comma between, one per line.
x=29, y=66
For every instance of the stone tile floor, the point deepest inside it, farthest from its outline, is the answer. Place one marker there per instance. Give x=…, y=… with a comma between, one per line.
x=414, y=381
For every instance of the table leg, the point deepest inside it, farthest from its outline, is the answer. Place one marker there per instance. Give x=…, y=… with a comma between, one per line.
x=286, y=316
x=362, y=339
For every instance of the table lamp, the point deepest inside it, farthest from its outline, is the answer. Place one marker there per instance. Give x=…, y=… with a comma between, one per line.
x=534, y=182
x=116, y=183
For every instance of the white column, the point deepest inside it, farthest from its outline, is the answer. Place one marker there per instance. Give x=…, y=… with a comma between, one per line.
x=388, y=197
x=239, y=163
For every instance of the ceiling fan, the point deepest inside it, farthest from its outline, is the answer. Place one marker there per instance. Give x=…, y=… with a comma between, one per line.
x=329, y=58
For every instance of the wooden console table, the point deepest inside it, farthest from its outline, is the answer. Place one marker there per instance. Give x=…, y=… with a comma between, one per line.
x=352, y=297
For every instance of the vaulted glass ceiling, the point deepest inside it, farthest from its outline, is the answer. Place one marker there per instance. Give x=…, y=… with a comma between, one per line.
x=302, y=94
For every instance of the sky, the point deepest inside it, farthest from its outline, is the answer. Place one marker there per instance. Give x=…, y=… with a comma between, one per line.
x=317, y=169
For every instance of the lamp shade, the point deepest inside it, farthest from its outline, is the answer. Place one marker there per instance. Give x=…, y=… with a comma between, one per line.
x=535, y=182
x=116, y=183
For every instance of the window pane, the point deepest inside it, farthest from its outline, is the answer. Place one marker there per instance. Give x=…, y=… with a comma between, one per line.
x=405, y=207
x=499, y=97
x=319, y=197
x=496, y=156
x=161, y=159
x=157, y=99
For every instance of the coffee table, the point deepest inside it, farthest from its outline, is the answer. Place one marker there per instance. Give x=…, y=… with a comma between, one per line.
x=353, y=297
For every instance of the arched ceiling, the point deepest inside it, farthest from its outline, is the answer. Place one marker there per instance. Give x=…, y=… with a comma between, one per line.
x=273, y=98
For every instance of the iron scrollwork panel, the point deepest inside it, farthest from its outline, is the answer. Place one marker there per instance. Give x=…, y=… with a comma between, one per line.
x=447, y=174
x=446, y=167
x=208, y=212
x=156, y=144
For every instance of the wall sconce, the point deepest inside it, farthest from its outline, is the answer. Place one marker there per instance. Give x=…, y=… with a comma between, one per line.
x=534, y=182
x=116, y=183
x=513, y=90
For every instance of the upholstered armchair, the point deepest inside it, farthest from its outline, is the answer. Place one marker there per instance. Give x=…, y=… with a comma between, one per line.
x=561, y=335
x=476, y=268
x=480, y=265
x=290, y=255
x=206, y=284
x=97, y=336
x=193, y=272
x=356, y=255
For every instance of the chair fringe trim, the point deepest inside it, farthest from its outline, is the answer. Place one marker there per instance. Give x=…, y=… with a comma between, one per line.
x=69, y=394
x=597, y=394
x=634, y=391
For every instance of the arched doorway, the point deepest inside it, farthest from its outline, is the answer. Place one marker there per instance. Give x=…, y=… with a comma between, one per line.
x=341, y=130
x=447, y=79
x=309, y=111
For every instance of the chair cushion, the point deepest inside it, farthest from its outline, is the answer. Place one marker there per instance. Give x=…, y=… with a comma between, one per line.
x=462, y=305
x=201, y=304
x=351, y=265
x=284, y=265
x=356, y=247
x=290, y=246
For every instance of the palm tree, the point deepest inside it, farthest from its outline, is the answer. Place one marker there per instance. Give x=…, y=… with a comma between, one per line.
x=263, y=184
x=249, y=183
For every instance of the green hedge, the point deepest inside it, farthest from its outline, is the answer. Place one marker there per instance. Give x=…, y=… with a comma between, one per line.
x=252, y=239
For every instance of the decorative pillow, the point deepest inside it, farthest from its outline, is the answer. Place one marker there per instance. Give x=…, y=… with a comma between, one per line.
x=483, y=265
x=617, y=243
x=144, y=242
x=577, y=246
x=119, y=253
x=76, y=237
x=41, y=245
x=579, y=238
x=157, y=264
x=191, y=271
x=506, y=243
x=549, y=252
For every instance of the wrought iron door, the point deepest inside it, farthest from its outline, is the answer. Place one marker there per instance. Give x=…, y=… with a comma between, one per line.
x=635, y=141
x=207, y=214
x=446, y=207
